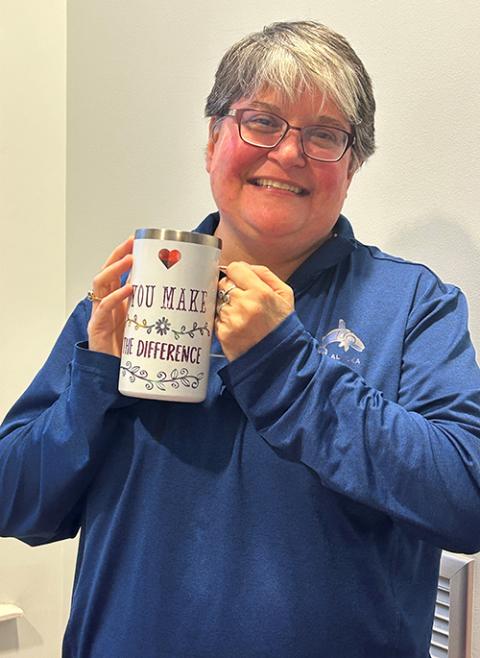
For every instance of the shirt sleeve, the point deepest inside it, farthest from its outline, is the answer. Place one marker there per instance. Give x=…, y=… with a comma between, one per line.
x=417, y=458
x=55, y=436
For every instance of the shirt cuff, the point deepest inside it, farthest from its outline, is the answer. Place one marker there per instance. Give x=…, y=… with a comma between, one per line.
x=103, y=371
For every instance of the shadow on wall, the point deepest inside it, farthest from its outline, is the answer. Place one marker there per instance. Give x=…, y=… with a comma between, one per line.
x=15, y=631
x=9, y=636
x=445, y=247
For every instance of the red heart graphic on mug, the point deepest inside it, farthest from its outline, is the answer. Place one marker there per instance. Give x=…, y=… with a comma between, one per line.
x=169, y=258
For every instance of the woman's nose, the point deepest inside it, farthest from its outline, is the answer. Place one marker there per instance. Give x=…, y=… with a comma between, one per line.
x=289, y=152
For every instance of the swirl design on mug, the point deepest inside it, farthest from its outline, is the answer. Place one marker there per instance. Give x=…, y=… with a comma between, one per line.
x=162, y=326
x=176, y=379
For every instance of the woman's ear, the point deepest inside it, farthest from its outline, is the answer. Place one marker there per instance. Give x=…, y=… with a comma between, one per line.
x=213, y=128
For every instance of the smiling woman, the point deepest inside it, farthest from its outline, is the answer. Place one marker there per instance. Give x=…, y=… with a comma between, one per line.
x=301, y=509
x=280, y=176
x=277, y=205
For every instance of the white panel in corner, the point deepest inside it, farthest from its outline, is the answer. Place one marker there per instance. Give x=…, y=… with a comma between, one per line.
x=452, y=625
x=9, y=611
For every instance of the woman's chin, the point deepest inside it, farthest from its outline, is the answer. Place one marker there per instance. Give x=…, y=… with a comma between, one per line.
x=274, y=226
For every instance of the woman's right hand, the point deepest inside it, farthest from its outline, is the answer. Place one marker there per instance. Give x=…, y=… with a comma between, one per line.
x=107, y=321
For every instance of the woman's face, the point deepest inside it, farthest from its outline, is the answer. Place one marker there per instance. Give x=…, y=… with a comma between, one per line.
x=254, y=214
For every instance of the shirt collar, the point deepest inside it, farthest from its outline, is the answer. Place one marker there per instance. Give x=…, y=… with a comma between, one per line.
x=330, y=253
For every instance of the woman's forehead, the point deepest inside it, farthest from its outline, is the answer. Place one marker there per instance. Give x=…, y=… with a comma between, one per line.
x=314, y=103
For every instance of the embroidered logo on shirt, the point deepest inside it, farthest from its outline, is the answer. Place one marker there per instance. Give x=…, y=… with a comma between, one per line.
x=343, y=337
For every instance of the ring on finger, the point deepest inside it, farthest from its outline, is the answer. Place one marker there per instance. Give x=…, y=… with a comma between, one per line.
x=221, y=302
x=92, y=297
x=223, y=296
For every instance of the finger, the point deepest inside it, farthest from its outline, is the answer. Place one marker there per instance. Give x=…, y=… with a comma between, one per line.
x=218, y=328
x=271, y=279
x=109, y=278
x=119, y=252
x=223, y=301
x=227, y=285
x=244, y=277
x=111, y=302
x=275, y=283
x=107, y=322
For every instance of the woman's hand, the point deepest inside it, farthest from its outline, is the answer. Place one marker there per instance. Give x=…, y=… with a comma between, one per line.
x=107, y=321
x=258, y=301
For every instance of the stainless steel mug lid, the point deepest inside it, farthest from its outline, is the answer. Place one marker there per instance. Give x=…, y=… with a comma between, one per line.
x=178, y=236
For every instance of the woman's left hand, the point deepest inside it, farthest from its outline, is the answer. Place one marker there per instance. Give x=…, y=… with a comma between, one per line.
x=257, y=302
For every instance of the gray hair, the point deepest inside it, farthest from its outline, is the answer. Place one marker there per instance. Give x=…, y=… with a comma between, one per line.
x=293, y=58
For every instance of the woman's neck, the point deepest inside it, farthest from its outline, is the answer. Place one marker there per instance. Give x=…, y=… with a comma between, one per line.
x=277, y=256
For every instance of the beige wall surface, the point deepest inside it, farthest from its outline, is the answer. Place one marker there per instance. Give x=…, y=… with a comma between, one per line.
x=32, y=217
x=137, y=77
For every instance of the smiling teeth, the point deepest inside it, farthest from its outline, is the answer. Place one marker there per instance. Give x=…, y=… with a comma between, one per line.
x=267, y=182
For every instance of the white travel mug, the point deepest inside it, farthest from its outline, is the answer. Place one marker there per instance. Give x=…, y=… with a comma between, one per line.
x=169, y=325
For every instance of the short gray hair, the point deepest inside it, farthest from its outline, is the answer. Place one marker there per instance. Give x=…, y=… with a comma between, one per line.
x=292, y=58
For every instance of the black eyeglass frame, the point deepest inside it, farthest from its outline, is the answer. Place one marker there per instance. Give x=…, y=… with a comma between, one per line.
x=238, y=113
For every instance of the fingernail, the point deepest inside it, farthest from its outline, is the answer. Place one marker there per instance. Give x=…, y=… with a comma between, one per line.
x=223, y=268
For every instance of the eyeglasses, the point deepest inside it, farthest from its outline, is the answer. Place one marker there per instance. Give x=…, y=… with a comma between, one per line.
x=266, y=130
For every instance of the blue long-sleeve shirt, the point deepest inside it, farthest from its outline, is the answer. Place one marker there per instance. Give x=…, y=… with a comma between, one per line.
x=299, y=511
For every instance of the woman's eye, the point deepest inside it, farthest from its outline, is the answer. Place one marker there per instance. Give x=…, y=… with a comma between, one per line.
x=326, y=136
x=262, y=122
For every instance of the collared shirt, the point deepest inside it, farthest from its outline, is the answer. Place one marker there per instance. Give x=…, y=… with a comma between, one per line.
x=299, y=511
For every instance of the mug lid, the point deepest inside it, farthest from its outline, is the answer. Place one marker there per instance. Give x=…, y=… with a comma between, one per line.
x=178, y=236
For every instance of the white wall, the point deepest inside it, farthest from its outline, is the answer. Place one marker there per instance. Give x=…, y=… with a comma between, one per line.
x=134, y=64
x=32, y=216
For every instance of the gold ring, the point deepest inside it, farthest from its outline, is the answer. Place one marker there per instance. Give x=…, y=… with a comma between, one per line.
x=92, y=297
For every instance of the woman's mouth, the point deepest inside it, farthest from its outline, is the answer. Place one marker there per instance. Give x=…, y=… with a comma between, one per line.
x=278, y=185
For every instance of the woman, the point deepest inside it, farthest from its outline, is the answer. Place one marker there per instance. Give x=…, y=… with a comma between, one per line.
x=338, y=449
